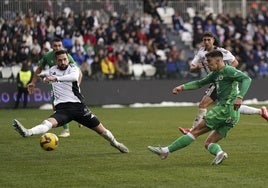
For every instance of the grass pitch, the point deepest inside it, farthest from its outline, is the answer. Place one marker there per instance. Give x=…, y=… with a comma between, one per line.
x=87, y=160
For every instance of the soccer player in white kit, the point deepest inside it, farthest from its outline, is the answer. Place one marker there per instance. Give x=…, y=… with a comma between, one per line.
x=69, y=104
x=199, y=62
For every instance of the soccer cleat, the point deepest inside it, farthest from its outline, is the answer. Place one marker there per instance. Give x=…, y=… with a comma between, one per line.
x=264, y=113
x=184, y=130
x=65, y=133
x=219, y=158
x=20, y=129
x=158, y=151
x=121, y=147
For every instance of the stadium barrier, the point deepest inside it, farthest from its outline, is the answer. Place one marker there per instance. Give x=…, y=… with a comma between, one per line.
x=98, y=93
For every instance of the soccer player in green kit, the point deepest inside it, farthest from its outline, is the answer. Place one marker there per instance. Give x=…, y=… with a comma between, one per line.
x=49, y=59
x=221, y=118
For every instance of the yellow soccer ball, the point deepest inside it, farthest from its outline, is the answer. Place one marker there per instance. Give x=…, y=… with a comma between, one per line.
x=49, y=141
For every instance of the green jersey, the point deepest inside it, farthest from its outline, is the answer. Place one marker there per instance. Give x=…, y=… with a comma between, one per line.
x=226, y=81
x=49, y=59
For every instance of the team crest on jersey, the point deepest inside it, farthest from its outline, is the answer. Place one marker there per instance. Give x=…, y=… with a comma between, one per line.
x=220, y=77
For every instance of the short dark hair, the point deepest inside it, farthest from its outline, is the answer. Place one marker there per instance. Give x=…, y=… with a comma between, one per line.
x=60, y=52
x=208, y=34
x=56, y=40
x=214, y=53
x=211, y=35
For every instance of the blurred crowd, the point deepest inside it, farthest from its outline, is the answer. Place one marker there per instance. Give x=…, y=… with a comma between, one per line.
x=106, y=46
x=246, y=38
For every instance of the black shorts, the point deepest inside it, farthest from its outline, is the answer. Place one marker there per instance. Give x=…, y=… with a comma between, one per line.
x=66, y=112
x=211, y=92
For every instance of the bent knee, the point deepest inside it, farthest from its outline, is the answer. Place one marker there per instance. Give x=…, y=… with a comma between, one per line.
x=207, y=144
x=203, y=104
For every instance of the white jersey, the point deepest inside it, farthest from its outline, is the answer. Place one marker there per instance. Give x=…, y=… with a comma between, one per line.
x=66, y=88
x=228, y=57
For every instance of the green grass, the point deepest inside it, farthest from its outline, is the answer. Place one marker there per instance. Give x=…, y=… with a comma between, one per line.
x=87, y=160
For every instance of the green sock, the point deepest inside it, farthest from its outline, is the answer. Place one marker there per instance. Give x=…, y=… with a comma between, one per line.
x=180, y=143
x=214, y=148
x=66, y=126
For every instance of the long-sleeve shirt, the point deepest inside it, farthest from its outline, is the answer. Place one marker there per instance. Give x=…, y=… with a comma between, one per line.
x=66, y=88
x=227, y=82
x=228, y=57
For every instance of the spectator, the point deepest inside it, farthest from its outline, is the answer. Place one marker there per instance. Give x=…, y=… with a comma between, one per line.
x=107, y=68
x=2, y=58
x=81, y=22
x=14, y=45
x=178, y=23
x=160, y=66
x=22, y=55
x=122, y=66
x=10, y=58
x=35, y=46
x=263, y=69
x=150, y=7
x=70, y=27
x=27, y=37
x=136, y=56
x=93, y=20
x=41, y=31
x=96, y=71
x=77, y=36
x=251, y=63
x=24, y=77
x=59, y=30
x=210, y=26
x=67, y=42
x=84, y=65
x=77, y=46
x=183, y=66
x=198, y=22
x=99, y=46
x=89, y=36
x=34, y=57
x=150, y=58
x=50, y=30
x=172, y=70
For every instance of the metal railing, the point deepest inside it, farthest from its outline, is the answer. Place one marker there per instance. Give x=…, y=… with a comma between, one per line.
x=9, y=8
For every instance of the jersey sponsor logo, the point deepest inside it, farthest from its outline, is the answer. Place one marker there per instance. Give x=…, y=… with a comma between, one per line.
x=220, y=77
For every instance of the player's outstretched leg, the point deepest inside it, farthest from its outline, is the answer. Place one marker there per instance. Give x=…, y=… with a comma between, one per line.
x=110, y=137
x=158, y=151
x=66, y=131
x=184, y=130
x=20, y=128
x=264, y=113
x=219, y=158
x=249, y=110
x=201, y=113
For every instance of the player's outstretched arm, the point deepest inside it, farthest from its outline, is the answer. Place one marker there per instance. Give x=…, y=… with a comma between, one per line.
x=31, y=85
x=177, y=89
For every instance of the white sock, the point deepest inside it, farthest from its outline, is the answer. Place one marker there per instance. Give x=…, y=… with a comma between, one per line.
x=42, y=128
x=201, y=113
x=165, y=149
x=249, y=110
x=109, y=136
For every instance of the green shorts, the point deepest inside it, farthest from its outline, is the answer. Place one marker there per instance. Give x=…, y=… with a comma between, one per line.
x=222, y=119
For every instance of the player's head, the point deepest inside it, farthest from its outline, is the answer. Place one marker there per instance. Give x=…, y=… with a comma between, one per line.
x=57, y=44
x=62, y=60
x=208, y=40
x=215, y=60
